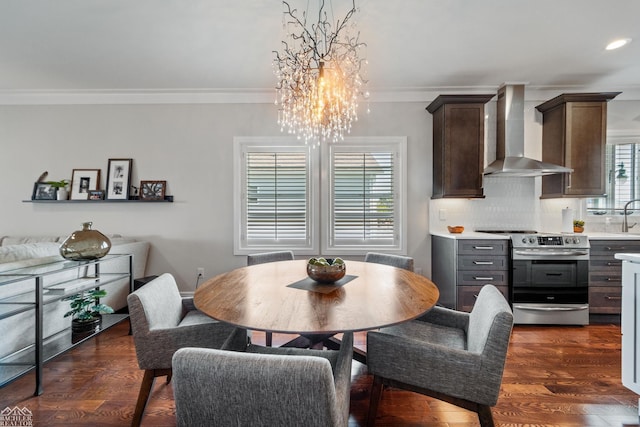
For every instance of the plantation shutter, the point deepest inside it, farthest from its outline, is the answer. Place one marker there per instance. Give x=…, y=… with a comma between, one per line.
x=276, y=203
x=363, y=200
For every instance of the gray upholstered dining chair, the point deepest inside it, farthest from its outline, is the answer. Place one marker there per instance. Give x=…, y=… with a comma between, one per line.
x=264, y=386
x=162, y=322
x=263, y=257
x=453, y=356
x=398, y=261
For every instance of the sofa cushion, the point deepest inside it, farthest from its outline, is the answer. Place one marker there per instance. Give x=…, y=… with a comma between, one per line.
x=29, y=251
x=20, y=240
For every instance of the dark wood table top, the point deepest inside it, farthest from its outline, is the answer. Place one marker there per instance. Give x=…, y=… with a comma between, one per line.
x=279, y=297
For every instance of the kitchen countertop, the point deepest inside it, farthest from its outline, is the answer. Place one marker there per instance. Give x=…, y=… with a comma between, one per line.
x=599, y=235
x=628, y=257
x=596, y=235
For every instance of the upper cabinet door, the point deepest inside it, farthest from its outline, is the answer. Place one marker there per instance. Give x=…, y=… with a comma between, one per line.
x=574, y=131
x=458, y=145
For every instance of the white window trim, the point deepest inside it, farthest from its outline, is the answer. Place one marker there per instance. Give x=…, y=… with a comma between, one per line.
x=243, y=144
x=319, y=184
x=395, y=144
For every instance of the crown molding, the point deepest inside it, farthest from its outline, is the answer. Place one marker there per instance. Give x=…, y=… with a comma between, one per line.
x=267, y=96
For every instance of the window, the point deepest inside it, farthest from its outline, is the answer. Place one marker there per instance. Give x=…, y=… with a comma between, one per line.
x=275, y=208
x=362, y=194
x=623, y=166
x=363, y=206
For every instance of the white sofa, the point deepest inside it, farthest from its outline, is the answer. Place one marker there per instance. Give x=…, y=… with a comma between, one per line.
x=24, y=251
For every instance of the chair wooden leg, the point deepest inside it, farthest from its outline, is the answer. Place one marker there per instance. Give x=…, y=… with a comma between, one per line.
x=374, y=400
x=269, y=339
x=484, y=414
x=145, y=391
x=143, y=397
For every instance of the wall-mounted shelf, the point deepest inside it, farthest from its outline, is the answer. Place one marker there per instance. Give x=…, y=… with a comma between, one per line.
x=167, y=199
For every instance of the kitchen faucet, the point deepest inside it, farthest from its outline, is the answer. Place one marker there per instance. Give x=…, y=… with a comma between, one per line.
x=625, y=224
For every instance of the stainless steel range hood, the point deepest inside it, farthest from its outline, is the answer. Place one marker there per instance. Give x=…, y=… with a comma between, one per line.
x=510, y=159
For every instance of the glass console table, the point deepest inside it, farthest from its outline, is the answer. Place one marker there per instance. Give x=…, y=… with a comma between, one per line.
x=28, y=291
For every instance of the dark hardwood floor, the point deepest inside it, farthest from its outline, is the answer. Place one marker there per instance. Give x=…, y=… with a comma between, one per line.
x=555, y=376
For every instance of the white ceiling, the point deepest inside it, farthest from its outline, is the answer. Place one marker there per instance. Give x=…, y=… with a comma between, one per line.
x=415, y=47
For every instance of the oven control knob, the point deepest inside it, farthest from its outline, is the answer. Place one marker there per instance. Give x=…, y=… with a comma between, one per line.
x=532, y=240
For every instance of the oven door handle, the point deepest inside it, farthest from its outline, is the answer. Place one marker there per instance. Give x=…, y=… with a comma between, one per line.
x=548, y=253
x=542, y=308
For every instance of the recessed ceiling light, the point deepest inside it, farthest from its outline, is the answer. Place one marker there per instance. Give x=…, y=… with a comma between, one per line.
x=617, y=44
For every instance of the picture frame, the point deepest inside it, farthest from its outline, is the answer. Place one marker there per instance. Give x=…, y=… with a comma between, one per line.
x=96, y=195
x=83, y=181
x=118, y=179
x=44, y=191
x=152, y=190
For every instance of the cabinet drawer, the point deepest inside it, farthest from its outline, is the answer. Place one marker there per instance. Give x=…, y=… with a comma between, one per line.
x=605, y=264
x=467, y=296
x=610, y=247
x=483, y=247
x=605, y=300
x=479, y=262
x=483, y=277
x=605, y=279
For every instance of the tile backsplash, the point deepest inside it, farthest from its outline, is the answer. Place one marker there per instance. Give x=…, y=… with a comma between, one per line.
x=513, y=203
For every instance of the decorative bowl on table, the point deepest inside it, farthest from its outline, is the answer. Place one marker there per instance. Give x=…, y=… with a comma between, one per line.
x=327, y=270
x=456, y=229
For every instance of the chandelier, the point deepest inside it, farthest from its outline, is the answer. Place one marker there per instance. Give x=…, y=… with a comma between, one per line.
x=320, y=75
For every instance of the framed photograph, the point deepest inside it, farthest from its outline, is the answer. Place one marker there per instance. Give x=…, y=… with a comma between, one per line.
x=43, y=191
x=96, y=195
x=83, y=181
x=152, y=190
x=118, y=179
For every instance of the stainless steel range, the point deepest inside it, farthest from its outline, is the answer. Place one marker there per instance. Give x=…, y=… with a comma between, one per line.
x=550, y=279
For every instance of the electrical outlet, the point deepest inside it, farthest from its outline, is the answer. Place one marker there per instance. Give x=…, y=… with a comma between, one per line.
x=200, y=271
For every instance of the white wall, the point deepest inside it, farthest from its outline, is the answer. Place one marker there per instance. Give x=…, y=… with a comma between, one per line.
x=190, y=146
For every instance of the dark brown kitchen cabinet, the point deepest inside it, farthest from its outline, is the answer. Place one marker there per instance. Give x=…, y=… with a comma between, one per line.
x=605, y=274
x=574, y=128
x=458, y=145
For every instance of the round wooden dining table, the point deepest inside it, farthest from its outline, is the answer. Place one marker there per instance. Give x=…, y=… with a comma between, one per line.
x=280, y=297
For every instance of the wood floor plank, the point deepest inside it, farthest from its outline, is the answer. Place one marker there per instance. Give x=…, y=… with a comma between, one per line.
x=554, y=376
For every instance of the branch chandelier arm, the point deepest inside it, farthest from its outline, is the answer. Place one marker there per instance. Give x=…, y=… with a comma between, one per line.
x=319, y=76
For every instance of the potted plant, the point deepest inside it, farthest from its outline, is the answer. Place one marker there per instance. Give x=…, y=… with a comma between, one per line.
x=61, y=187
x=578, y=226
x=87, y=310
